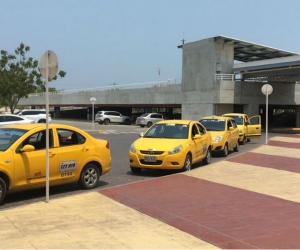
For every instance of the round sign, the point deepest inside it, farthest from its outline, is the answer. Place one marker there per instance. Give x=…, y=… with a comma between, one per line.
x=92, y=100
x=49, y=59
x=267, y=89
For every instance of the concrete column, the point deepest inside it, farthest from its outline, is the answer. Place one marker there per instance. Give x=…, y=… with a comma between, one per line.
x=56, y=112
x=298, y=116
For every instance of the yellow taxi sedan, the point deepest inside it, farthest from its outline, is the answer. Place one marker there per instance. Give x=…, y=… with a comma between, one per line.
x=74, y=156
x=171, y=144
x=224, y=132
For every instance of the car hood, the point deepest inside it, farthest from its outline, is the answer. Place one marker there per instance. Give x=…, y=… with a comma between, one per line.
x=157, y=144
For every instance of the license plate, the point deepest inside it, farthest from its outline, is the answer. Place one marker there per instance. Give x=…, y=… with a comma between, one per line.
x=150, y=158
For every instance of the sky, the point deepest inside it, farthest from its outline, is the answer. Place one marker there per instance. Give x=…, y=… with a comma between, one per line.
x=107, y=42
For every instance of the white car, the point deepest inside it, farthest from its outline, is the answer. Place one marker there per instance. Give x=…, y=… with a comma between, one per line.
x=37, y=115
x=13, y=119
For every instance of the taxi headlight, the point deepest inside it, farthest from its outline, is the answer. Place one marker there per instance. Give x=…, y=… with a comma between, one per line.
x=175, y=150
x=132, y=148
x=218, y=138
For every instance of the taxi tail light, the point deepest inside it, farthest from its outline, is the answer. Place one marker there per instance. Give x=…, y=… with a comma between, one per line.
x=107, y=145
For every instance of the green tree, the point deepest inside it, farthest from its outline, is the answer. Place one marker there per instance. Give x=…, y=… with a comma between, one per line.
x=19, y=76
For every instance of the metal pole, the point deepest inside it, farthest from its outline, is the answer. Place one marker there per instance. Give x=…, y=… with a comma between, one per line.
x=47, y=131
x=93, y=115
x=267, y=94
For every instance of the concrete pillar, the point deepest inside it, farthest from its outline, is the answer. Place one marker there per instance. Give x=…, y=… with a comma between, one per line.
x=56, y=112
x=298, y=116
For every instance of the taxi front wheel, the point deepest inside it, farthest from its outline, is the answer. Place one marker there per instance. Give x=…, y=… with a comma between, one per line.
x=3, y=190
x=89, y=176
x=187, y=163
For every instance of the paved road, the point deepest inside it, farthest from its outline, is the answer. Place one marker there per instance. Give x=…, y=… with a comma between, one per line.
x=120, y=138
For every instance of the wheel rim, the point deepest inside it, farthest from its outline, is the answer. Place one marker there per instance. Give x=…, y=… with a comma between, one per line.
x=226, y=150
x=208, y=156
x=188, y=163
x=90, y=176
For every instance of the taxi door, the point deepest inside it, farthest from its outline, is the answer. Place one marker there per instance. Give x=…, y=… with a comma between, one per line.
x=254, y=128
x=72, y=152
x=205, y=140
x=198, y=143
x=30, y=167
x=233, y=134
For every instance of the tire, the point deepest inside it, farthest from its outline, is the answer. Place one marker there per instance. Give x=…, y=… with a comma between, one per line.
x=135, y=170
x=127, y=122
x=42, y=121
x=187, y=166
x=237, y=147
x=3, y=189
x=207, y=158
x=142, y=126
x=89, y=176
x=243, y=142
x=149, y=124
x=100, y=122
x=106, y=121
x=225, y=150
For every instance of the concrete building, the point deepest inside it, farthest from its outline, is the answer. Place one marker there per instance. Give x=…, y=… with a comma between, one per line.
x=219, y=75
x=222, y=75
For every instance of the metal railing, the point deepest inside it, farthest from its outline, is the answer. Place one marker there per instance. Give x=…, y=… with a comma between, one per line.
x=158, y=84
x=224, y=77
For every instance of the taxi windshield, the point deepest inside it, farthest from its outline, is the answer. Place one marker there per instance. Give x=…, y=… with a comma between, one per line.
x=238, y=120
x=171, y=131
x=8, y=136
x=213, y=124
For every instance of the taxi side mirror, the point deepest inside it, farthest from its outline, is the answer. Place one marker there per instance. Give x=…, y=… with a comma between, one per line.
x=196, y=136
x=27, y=148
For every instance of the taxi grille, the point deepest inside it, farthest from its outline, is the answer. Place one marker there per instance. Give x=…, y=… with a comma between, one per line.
x=150, y=163
x=147, y=152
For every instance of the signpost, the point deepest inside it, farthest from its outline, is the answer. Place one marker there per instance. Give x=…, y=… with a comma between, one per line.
x=267, y=90
x=93, y=101
x=48, y=67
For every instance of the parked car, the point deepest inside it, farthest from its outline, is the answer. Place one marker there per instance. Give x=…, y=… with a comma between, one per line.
x=148, y=119
x=224, y=132
x=13, y=119
x=106, y=117
x=38, y=115
x=74, y=156
x=171, y=144
x=249, y=128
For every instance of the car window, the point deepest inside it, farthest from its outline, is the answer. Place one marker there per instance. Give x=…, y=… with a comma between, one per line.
x=170, y=131
x=144, y=115
x=1, y=118
x=213, y=124
x=8, y=136
x=38, y=140
x=194, y=130
x=10, y=118
x=69, y=137
x=201, y=129
x=233, y=123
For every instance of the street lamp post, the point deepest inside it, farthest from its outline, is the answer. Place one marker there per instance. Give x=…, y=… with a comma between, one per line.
x=93, y=101
x=267, y=90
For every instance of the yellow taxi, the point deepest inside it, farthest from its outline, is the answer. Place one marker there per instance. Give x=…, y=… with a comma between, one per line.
x=224, y=132
x=249, y=128
x=74, y=156
x=171, y=144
